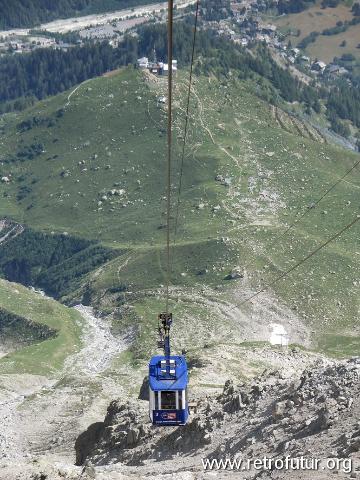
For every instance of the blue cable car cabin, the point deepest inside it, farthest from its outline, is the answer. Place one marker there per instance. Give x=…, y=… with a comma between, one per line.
x=168, y=380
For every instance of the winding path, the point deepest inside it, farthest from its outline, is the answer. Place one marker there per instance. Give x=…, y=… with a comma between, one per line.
x=75, y=90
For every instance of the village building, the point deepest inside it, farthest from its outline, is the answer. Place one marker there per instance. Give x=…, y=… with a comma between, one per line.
x=143, y=63
x=157, y=68
x=336, y=70
x=318, y=66
x=269, y=30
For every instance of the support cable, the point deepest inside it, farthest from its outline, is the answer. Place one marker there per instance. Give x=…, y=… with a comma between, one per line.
x=313, y=206
x=169, y=149
x=186, y=121
x=298, y=264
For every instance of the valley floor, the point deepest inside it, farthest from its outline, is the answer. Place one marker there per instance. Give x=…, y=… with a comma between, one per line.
x=41, y=417
x=78, y=23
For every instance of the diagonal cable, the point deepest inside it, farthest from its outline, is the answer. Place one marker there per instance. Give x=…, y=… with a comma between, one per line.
x=186, y=121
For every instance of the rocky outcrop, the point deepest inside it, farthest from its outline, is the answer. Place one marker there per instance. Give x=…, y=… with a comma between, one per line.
x=86, y=442
x=123, y=429
x=144, y=390
x=316, y=414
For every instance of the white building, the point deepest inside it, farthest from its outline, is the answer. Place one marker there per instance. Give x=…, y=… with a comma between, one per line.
x=164, y=67
x=318, y=66
x=143, y=62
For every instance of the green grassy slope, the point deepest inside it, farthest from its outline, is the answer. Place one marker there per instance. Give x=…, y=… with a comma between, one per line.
x=48, y=356
x=110, y=134
x=110, y=137
x=317, y=19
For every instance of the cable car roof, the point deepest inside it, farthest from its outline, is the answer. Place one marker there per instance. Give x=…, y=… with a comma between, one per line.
x=168, y=373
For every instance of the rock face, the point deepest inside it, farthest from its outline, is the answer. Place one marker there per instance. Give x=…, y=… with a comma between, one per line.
x=235, y=274
x=86, y=441
x=315, y=415
x=144, y=390
x=123, y=429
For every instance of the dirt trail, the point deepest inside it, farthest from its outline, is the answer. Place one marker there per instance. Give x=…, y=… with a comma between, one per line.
x=123, y=265
x=74, y=91
x=254, y=326
x=11, y=234
x=259, y=210
x=66, y=403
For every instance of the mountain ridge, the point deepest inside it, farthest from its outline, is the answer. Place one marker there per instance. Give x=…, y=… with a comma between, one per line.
x=97, y=174
x=239, y=177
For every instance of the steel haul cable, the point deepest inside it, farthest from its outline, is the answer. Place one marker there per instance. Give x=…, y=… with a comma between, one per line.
x=298, y=264
x=310, y=209
x=170, y=114
x=313, y=206
x=169, y=148
x=170, y=58
x=186, y=120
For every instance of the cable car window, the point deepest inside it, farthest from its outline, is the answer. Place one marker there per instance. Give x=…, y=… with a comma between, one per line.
x=168, y=400
x=157, y=400
x=180, y=393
